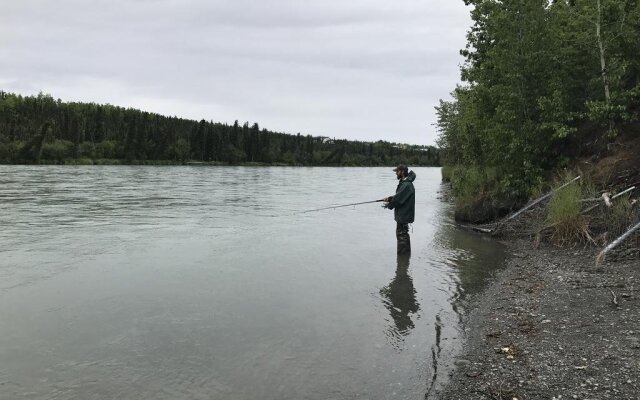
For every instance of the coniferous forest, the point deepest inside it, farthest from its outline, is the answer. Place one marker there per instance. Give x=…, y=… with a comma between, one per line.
x=41, y=129
x=546, y=85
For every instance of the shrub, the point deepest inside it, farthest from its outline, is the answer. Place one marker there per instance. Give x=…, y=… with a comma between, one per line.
x=86, y=150
x=108, y=149
x=78, y=161
x=470, y=183
x=57, y=150
x=478, y=194
x=446, y=172
x=9, y=151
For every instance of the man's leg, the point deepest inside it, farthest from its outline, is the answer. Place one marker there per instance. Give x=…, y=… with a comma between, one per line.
x=404, y=242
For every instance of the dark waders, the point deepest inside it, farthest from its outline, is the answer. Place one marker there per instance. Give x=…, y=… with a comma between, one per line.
x=404, y=241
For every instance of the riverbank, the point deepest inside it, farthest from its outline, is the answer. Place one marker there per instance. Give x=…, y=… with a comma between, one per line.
x=553, y=325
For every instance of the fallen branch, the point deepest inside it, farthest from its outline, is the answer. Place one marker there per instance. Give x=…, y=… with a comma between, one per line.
x=616, y=243
x=477, y=228
x=504, y=221
x=614, y=298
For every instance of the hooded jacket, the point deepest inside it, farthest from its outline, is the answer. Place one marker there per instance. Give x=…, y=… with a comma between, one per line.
x=403, y=203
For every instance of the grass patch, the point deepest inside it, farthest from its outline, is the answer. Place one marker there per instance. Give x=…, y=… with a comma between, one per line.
x=564, y=213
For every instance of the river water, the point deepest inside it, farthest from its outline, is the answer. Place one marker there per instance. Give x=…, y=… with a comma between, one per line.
x=205, y=282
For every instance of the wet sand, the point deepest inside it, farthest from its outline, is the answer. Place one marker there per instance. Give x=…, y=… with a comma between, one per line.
x=553, y=325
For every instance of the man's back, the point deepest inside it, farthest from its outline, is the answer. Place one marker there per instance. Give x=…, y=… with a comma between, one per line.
x=405, y=200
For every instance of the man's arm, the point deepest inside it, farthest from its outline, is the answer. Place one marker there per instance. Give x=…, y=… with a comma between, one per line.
x=402, y=196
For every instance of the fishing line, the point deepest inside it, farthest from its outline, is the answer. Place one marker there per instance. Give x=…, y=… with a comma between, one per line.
x=342, y=205
x=327, y=208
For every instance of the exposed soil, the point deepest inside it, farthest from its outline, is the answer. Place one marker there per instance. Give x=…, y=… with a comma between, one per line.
x=553, y=325
x=620, y=168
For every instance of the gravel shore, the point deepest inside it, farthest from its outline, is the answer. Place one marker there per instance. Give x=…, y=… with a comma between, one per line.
x=553, y=325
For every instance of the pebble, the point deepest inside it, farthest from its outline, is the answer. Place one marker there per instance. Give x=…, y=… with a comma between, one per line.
x=462, y=363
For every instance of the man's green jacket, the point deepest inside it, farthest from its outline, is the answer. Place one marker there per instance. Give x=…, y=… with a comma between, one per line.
x=403, y=203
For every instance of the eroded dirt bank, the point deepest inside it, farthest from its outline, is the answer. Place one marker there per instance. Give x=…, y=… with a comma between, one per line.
x=548, y=327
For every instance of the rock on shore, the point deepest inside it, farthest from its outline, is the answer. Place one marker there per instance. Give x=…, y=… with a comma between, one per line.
x=553, y=325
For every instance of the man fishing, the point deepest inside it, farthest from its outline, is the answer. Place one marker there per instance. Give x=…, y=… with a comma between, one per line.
x=403, y=204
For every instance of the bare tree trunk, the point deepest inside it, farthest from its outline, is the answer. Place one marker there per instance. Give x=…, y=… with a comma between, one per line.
x=603, y=64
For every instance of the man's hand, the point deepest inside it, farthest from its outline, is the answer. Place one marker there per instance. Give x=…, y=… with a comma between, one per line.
x=386, y=199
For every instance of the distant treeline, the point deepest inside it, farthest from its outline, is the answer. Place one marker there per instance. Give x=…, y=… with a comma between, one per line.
x=545, y=82
x=40, y=129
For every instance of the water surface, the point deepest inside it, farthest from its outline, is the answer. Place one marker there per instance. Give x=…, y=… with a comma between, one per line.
x=209, y=283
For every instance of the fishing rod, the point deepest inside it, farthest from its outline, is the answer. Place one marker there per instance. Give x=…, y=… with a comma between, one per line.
x=343, y=205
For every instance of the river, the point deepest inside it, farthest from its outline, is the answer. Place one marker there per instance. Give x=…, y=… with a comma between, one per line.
x=199, y=282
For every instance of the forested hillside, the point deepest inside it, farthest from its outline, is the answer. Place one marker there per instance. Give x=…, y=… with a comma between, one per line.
x=545, y=83
x=40, y=129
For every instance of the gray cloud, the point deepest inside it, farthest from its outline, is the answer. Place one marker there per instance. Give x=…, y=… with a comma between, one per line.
x=361, y=69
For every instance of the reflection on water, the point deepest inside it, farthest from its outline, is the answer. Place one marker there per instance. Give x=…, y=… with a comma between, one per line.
x=468, y=260
x=208, y=283
x=400, y=299
x=464, y=250
x=436, y=352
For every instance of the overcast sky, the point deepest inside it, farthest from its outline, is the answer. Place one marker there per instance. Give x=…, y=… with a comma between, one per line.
x=357, y=69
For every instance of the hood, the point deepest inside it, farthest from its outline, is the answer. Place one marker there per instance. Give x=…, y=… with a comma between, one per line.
x=411, y=177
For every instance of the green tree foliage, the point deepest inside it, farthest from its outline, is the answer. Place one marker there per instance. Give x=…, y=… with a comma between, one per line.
x=41, y=129
x=539, y=78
